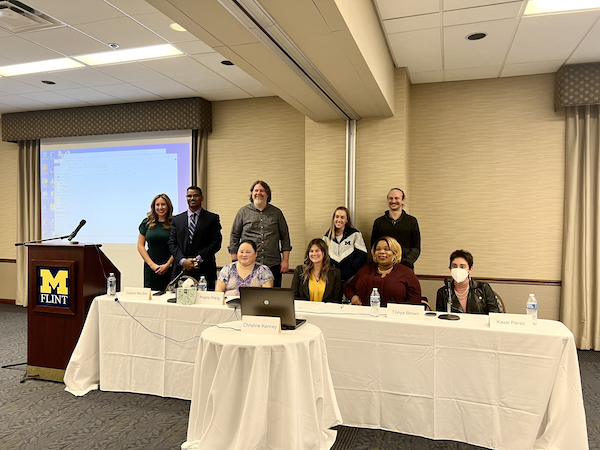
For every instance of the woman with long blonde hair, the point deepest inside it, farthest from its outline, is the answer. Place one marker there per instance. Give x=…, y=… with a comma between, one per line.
x=316, y=280
x=154, y=230
x=347, y=248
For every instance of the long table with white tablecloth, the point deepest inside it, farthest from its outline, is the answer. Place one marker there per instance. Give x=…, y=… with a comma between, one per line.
x=457, y=380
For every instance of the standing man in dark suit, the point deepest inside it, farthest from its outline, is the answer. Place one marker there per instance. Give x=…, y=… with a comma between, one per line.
x=195, y=239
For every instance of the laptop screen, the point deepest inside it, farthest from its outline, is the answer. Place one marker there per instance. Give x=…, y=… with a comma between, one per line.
x=272, y=302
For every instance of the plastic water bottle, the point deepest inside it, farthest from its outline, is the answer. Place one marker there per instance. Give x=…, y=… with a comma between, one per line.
x=202, y=286
x=375, y=301
x=532, y=308
x=111, y=285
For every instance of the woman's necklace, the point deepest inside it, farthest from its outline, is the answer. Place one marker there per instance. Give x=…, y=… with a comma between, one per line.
x=462, y=295
x=383, y=273
x=317, y=275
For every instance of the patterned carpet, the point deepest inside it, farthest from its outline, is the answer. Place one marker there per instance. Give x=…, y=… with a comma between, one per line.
x=38, y=414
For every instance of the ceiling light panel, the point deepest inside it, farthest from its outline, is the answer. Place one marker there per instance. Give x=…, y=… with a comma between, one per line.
x=39, y=66
x=557, y=6
x=133, y=54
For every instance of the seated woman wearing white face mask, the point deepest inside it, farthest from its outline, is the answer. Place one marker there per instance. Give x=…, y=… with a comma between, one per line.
x=468, y=295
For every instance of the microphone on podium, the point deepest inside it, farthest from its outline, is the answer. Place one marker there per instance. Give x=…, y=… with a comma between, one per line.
x=76, y=230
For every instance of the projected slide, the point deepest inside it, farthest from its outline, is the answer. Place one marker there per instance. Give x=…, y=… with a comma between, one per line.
x=111, y=187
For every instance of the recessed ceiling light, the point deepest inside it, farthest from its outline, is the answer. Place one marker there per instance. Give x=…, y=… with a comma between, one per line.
x=39, y=66
x=131, y=54
x=555, y=6
x=48, y=82
x=476, y=36
x=113, y=45
x=227, y=63
x=175, y=26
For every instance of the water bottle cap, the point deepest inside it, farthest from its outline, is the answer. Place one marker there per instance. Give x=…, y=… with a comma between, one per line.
x=111, y=274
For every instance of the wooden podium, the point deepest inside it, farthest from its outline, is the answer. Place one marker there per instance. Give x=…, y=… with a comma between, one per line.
x=63, y=281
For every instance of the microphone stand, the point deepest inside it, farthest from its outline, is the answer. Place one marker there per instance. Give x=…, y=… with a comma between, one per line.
x=38, y=241
x=449, y=315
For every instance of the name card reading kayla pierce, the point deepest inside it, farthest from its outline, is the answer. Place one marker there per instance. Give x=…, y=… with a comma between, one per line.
x=400, y=311
x=511, y=321
x=261, y=324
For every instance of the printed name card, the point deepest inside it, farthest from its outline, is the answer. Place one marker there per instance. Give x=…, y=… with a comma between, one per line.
x=511, y=321
x=130, y=293
x=261, y=325
x=400, y=311
x=210, y=298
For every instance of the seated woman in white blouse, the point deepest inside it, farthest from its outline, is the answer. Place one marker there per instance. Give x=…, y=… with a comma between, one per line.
x=244, y=272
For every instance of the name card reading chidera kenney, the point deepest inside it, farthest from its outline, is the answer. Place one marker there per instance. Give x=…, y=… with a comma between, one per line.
x=210, y=298
x=261, y=325
x=131, y=293
x=401, y=311
x=511, y=321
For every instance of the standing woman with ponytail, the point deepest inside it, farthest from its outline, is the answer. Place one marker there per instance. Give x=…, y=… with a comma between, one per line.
x=347, y=248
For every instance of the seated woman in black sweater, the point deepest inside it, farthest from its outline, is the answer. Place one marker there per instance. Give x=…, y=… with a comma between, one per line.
x=468, y=295
x=316, y=280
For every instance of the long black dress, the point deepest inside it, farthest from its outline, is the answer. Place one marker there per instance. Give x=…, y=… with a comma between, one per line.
x=158, y=250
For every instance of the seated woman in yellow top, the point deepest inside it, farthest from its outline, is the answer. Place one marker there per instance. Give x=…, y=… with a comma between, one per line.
x=316, y=280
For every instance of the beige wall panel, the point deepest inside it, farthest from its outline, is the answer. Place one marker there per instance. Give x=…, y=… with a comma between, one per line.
x=513, y=295
x=486, y=174
x=381, y=154
x=9, y=162
x=325, y=174
x=257, y=139
x=8, y=275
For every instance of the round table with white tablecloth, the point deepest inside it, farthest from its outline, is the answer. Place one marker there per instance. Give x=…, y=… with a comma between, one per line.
x=256, y=391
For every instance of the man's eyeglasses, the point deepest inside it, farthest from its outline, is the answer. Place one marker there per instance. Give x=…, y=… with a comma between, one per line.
x=193, y=195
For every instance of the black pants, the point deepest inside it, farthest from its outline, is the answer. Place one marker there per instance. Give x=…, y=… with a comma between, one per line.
x=277, y=274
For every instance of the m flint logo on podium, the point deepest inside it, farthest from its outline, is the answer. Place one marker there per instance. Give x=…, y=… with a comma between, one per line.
x=53, y=287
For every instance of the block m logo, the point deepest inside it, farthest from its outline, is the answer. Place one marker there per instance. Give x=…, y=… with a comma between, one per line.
x=58, y=281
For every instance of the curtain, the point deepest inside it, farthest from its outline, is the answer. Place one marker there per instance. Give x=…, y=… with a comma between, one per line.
x=28, y=210
x=199, y=151
x=580, y=310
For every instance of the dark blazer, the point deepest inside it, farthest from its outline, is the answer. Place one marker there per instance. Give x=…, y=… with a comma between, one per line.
x=206, y=243
x=333, y=288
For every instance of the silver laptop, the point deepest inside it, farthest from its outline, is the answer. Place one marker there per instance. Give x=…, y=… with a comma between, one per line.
x=271, y=302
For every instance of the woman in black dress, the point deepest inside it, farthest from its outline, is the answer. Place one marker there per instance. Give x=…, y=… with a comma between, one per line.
x=155, y=230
